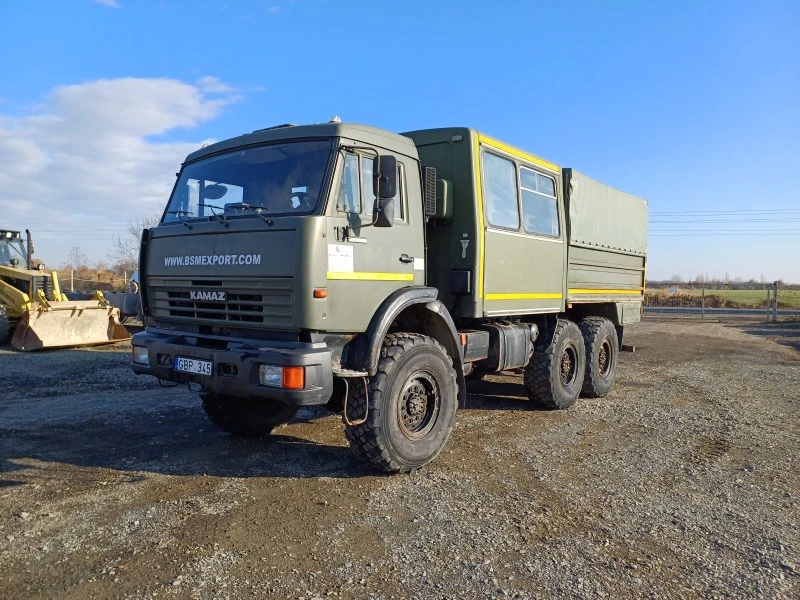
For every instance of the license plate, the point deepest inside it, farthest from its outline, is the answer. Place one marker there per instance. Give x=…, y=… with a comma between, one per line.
x=193, y=365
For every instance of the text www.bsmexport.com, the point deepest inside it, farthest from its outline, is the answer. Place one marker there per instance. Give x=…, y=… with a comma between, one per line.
x=202, y=260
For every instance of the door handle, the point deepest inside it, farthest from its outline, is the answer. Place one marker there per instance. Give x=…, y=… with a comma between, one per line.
x=405, y=258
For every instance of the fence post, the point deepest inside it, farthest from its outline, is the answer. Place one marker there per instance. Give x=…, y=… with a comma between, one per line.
x=775, y=302
x=703, y=303
x=72, y=280
x=769, y=309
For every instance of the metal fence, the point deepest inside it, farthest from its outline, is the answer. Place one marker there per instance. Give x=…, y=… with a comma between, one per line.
x=762, y=301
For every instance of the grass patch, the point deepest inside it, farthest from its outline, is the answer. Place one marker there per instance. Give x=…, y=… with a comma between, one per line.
x=692, y=298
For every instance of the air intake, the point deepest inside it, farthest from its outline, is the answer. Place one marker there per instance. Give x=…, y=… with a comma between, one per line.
x=430, y=191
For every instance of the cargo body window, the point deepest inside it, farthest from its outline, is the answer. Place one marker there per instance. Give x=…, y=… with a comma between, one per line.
x=500, y=191
x=539, y=204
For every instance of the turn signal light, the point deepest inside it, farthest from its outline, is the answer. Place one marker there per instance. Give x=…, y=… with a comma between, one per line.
x=294, y=378
x=321, y=293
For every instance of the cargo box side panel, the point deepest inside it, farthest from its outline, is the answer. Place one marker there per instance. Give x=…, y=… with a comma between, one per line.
x=602, y=217
x=607, y=241
x=594, y=274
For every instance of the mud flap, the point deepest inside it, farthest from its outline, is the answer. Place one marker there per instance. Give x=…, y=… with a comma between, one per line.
x=69, y=324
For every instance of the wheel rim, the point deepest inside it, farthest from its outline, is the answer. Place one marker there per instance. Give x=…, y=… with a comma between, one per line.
x=419, y=405
x=604, y=358
x=569, y=365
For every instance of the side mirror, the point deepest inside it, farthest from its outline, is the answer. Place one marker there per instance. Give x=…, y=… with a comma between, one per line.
x=385, y=176
x=385, y=212
x=215, y=191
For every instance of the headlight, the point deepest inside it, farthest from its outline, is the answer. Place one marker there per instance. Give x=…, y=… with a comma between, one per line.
x=270, y=375
x=290, y=378
x=140, y=356
x=41, y=267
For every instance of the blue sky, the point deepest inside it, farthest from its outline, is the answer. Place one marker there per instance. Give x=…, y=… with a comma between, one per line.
x=691, y=105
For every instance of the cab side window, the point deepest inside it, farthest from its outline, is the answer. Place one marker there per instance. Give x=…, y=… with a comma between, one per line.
x=357, y=194
x=366, y=182
x=350, y=194
x=500, y=191
x=399, y=213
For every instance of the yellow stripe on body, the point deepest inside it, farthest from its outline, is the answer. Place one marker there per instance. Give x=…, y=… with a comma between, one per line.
x=523, y=296
x=364, y=276
x=479, y=223
x=606, y=292
x=518, y=153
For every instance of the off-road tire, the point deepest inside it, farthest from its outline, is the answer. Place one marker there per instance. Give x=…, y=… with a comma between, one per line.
x=412, y=405
x=244, y=416
x=602, y=355
x=5, y=326
x=554, y=375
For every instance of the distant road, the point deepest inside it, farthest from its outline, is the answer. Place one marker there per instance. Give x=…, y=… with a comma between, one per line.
x=743, y=312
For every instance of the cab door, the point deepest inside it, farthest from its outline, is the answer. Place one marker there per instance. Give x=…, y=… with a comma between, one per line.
x=366, y=263
x=524, y=236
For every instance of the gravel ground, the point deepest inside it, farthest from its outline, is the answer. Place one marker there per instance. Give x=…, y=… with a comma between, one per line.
x=682, y=483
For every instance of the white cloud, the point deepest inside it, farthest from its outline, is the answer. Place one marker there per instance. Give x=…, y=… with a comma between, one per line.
x=109, y=3
x=77, y=167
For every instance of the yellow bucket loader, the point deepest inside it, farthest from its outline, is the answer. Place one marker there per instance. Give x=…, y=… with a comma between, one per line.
x=35, y=314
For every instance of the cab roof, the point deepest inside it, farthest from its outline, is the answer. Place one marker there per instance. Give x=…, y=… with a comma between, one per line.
x=363, y=133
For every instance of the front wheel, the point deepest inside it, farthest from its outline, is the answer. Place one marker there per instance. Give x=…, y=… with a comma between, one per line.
x=410, y=405
x=554, y=377
x=246, y=417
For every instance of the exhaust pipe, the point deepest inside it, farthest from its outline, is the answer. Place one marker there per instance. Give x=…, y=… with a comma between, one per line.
x=29, y=246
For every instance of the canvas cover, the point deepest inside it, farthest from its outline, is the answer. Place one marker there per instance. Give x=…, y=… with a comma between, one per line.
x=603, y=217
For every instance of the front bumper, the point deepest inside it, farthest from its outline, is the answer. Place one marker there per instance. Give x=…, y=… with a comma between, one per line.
x=235, y=370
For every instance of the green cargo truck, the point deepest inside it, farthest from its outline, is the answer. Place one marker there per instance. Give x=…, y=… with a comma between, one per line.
x=370, y=272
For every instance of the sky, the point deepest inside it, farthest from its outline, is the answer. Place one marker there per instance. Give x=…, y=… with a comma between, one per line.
x=694, y=106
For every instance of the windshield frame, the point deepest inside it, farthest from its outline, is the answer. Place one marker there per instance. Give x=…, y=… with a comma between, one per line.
x=18, y=246
x=167, y=218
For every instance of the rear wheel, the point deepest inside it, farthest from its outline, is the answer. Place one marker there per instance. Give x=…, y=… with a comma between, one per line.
x=5, y=326
x=602, y=354
x=410, y=405
x=554, y=376
x=244, y=416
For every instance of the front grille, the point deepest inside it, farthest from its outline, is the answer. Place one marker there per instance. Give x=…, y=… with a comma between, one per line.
x=249, y=301
x=44, y=283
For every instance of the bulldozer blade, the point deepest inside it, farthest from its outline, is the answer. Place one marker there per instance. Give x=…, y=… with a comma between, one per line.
x=69, y=324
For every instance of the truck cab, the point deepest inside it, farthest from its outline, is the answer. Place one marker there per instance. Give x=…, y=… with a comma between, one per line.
x=368, y=271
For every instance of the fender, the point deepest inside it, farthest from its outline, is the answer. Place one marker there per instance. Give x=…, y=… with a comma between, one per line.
x=366, y=351
x=434, y=319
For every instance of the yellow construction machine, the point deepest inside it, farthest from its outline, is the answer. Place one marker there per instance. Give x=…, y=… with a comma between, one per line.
x=35, y=314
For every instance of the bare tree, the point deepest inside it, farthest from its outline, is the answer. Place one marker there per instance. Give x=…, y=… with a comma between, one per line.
x=76, y=258
x=125, y=248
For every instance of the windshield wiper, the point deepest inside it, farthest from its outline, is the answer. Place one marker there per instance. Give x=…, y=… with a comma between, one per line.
x=255, y=209
x=220, y=218
x=180, y=214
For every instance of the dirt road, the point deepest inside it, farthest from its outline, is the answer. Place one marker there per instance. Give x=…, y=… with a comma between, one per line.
x=682, y=483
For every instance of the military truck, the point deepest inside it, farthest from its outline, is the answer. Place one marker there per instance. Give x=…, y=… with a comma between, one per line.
x=372, y=272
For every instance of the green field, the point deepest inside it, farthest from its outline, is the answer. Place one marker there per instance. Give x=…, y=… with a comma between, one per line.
x=787, y=299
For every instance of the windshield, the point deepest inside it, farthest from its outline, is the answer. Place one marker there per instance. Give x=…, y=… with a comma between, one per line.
x=12, y=248
x=269, y=180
